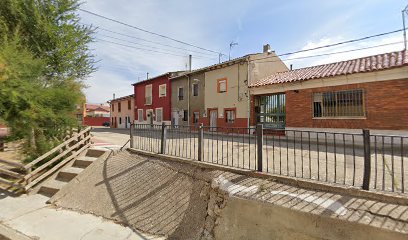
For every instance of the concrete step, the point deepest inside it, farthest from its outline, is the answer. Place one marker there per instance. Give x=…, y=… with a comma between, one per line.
x=68, y=174
x=51, y=187
x=84, y=161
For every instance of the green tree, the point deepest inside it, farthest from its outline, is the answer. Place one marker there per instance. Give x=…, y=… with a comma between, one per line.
x=51, y=30
x=44, y=58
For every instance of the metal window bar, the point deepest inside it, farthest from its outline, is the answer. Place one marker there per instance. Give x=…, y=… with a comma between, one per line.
x=296, y=153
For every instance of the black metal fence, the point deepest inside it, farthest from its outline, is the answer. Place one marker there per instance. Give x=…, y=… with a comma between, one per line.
x=353, y=159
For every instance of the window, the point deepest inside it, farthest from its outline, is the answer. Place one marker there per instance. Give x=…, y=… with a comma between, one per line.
x=113, y=107
x=222, y=85
x=119, y=106
x=159, y=114
x=349, y=103
x=180, y=93
x=129, y=104
x=196, y=117
x=229, y=115
x=148, y=95
x=185, y=115
x=120, y=120
x=162, y=90
x=195, y=89
x=140, y=115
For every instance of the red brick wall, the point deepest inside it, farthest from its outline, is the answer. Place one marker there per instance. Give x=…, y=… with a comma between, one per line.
x=386, y=106
x=95, y=121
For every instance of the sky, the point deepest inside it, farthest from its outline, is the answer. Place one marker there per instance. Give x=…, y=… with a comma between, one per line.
x=125, y=54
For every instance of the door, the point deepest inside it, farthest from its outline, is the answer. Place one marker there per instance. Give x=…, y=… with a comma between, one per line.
x=175, y=118
x=271, y=110
x=213, y=119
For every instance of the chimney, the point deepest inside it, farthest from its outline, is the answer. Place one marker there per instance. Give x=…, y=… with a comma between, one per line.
x=266, y=48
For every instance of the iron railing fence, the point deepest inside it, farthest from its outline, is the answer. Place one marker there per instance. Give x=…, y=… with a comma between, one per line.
x=181, y=141
x=234, y=146
x=352, y=159
x=146, y=137
x=389, y=154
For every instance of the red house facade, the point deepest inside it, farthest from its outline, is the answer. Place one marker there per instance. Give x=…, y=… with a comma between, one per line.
x=153, y=99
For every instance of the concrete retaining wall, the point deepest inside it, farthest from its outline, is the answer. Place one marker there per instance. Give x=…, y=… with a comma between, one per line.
x=247, y=219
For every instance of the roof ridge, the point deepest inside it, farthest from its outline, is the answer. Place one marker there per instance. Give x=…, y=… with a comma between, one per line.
x=370, y=63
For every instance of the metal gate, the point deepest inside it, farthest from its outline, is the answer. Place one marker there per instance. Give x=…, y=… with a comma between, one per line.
x=271, y=110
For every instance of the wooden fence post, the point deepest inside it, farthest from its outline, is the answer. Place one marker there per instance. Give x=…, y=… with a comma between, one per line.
x=1, y=144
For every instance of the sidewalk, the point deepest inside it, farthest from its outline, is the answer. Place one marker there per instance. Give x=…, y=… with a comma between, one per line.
x=29, y=216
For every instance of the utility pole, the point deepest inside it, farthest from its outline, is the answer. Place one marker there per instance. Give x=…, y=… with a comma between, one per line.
x=190, y=60
x=404, y=12
x=232, y=44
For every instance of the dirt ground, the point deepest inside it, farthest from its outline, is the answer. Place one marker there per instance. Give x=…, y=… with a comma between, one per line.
x=12, y=152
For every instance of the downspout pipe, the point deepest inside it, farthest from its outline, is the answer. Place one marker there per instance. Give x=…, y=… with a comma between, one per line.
x=188, y=99
x=248, y=96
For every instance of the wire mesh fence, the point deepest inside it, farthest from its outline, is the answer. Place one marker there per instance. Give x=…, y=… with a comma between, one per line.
x=351, y=159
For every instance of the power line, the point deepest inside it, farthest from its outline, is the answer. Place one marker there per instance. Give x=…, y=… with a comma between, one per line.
x=333, y=53
x=147, y=31
x=345, y=42
x=124, y=40
x=337, y=44
x=143, y=49
x=145, y=40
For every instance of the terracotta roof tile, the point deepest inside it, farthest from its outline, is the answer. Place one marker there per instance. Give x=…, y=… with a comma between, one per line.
x=359, y=65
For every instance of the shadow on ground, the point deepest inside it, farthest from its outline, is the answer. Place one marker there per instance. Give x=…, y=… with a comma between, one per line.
x=148, y=196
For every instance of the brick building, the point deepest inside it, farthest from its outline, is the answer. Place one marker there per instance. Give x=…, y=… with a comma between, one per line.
x=153, y=99
x=369, y=92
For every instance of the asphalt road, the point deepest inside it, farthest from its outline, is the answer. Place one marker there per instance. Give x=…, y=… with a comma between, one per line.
x=110, y=138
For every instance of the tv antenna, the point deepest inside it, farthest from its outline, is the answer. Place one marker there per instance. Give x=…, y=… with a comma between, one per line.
x=404, y=13
x=232, y=44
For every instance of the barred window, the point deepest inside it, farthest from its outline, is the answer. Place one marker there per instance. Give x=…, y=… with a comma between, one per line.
x=348, y=103
x=229, y=116
x=159, y=114
x=180, y=93
x=185, y=115
x=195, y=89
x=196, y=116
x=140, y=115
